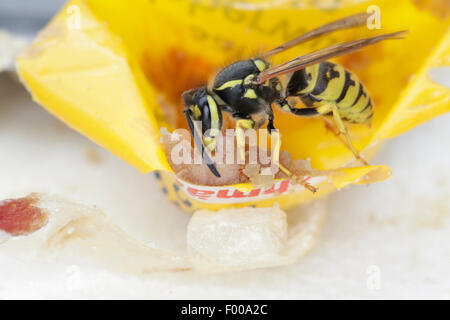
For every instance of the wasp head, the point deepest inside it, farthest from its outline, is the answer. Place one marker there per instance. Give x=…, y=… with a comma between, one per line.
x=202, y=110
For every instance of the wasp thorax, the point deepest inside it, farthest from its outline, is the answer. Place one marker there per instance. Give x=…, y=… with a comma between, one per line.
x=250, y=79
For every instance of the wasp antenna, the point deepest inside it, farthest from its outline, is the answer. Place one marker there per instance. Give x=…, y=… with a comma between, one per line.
x=213, y=168
x=198, y=142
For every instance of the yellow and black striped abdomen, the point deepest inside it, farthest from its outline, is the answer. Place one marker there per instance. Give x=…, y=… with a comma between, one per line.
x=328, y=83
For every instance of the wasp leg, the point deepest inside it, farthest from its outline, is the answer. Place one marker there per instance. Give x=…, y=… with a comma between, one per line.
x=329, y=126
x=275, y=136
x=270, y=125
x=242, y=122
x=343, y=130
x=303, y=112
x=226, y=108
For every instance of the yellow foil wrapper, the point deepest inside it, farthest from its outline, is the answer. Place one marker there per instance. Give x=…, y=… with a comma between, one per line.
x=115, y=69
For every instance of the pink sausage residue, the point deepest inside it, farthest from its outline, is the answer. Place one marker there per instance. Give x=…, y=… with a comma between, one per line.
x=21, y=217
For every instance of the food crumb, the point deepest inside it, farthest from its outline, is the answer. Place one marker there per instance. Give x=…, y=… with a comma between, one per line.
x=93, y=155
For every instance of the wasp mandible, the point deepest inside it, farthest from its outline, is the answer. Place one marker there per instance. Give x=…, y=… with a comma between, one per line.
x=249, y=87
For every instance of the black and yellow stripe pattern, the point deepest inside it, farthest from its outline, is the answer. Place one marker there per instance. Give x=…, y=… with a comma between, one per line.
x=327, y=83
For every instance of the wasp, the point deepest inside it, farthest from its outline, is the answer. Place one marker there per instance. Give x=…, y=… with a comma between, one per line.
x=249, y=87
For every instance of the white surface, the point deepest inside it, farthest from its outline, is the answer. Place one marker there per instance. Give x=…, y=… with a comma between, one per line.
x=10, y=46
x=389, y=240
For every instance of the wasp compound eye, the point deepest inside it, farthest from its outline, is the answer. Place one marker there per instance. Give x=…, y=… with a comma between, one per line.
x=188, y=97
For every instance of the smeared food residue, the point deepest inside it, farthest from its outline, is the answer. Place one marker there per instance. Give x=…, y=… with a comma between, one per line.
x=21, y=217
x=93, y=155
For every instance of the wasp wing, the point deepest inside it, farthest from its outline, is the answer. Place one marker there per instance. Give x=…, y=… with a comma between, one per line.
x=199, y=143
x=353, y=21
x=318, y=56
